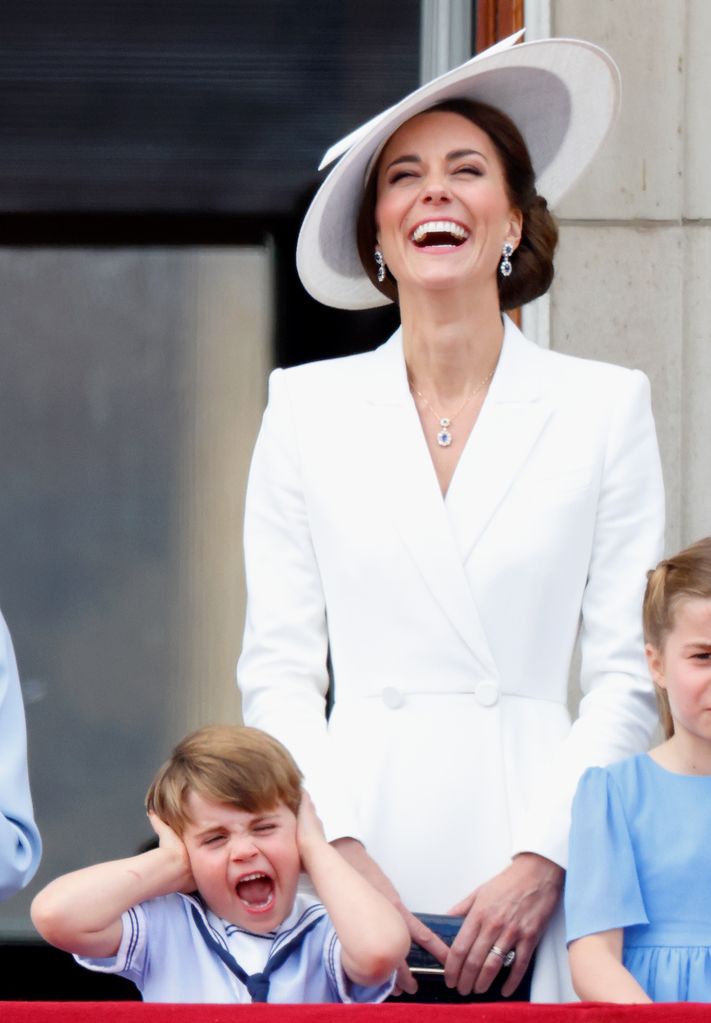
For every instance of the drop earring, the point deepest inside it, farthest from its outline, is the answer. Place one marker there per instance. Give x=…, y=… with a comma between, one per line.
x=381, y=265
x=505, y=264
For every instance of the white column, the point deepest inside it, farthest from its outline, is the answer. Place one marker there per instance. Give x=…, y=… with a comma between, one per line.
x=537, y=19
x=445, y=36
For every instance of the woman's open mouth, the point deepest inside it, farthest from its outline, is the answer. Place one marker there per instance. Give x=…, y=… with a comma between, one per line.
x=439, y=234
x=255, y=892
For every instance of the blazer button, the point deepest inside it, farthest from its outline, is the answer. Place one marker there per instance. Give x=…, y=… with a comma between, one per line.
x=486, y=693
x=392, y=697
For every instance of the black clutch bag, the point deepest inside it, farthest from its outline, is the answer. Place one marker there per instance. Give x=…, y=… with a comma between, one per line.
x=446, y=928
x=429, y=972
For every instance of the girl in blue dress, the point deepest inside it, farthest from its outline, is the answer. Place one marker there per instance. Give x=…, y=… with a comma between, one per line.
x=638, y=888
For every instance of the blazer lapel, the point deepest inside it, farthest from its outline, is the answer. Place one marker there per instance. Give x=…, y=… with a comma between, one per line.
x=509, y=425
x=407, y=481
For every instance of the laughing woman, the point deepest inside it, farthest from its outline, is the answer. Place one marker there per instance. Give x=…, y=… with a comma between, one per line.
x=441, y=517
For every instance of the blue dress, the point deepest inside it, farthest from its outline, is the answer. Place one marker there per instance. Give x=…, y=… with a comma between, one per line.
x=640, y=859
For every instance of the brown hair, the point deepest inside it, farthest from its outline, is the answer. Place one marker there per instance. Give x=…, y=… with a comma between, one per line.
x=533, y=259
x=241, y=766
x=685, y=576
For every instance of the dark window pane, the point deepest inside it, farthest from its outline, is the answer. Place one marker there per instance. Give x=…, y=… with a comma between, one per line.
x=205, y=105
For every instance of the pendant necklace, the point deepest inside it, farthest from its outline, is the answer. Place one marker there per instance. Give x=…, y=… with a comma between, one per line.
x=444, y=435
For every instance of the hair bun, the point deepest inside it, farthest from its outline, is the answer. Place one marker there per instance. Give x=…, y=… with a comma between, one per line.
x=533, y=260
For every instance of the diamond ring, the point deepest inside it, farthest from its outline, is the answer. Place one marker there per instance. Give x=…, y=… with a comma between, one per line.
x=506, y=957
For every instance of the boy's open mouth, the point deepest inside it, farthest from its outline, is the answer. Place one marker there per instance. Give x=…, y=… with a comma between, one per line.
x=255, y=891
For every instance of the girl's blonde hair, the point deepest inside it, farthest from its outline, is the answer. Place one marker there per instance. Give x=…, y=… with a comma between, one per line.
x=684, y=576
x=243, y=767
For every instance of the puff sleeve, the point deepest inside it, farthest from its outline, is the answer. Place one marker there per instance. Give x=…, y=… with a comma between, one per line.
x=602, y=889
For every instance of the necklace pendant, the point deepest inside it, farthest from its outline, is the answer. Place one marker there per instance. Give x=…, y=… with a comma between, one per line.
x=444, y=438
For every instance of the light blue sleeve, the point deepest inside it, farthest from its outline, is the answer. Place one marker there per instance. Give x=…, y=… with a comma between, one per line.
x=130, y=958
x=20, y=845
x=602, y=887
x=345, y=990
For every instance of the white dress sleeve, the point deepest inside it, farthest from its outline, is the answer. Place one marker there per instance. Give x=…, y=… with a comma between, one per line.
x=20, y=846
x=617, y=712
x=282, y=671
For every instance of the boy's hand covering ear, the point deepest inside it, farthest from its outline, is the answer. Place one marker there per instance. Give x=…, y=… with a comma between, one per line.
x=175, y=852
x=308, y=825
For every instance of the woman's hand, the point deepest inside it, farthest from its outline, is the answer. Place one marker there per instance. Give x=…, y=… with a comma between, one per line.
x=353, y=851
x=511, y=912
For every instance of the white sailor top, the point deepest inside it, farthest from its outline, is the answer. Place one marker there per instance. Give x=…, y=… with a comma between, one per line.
x=174, y=949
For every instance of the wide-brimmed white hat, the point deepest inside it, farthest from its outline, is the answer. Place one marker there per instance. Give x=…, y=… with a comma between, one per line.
x=562, y=95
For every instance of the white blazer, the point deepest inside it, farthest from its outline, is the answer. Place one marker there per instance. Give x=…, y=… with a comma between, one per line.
x=451, y=623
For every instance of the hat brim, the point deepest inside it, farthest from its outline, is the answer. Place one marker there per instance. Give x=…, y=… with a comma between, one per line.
x=562, y=95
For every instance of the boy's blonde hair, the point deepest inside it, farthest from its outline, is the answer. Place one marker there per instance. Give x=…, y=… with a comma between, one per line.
x=243, y=767
x=684, y=576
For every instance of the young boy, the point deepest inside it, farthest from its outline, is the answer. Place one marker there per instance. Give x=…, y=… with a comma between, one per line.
x=213, y=913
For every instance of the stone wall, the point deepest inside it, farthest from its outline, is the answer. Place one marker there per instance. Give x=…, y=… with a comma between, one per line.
x=634, y=266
